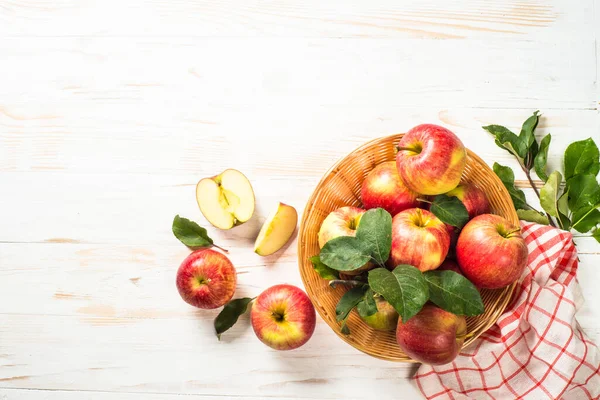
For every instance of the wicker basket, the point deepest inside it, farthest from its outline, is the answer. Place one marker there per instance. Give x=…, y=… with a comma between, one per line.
x=341, y=187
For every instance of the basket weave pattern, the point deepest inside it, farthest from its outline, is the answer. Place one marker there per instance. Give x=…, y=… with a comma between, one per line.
x=340, y=187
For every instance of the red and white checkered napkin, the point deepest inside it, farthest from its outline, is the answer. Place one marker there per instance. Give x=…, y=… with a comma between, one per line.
x=536, y=350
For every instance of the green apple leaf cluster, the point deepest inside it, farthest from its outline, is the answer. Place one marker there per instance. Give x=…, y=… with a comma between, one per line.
x=230, y=314
x=571, y=201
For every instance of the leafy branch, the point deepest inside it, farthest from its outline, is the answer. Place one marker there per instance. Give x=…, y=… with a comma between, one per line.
x=576, y=206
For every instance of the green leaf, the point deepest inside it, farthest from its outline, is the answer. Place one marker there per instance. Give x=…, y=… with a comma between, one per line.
x=584, y=192
x=367, y=306
x=563, y=210
x=230, y=314
x=507, y=177
x=454, y=293
x=542, y=157
x=586, y=219
x=450, y=210
x=190, y=233
x=348, y=301
x=344, y=329
x=375, y=229
x=549, y=194
x=506, y=139
x=596, y=235
x=533, y=216
x=405, y=288
x=582, y=157
x=527, y=137
x=345, y=253
x=323, y=270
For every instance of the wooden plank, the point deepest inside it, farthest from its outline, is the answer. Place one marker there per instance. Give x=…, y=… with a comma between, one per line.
x=183, y=356
x=196, y=83
x=44, y=394
x=436, y=19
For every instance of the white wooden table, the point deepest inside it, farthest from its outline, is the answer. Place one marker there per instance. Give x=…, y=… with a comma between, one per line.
x=110, y=112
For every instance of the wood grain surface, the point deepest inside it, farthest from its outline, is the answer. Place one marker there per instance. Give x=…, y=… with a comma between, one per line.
x=111, y=111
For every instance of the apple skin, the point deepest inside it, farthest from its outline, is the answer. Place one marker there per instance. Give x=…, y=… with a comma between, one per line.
x=473, y=198
x=419, y=239
x=206, y=279
x=386, y=317
x=384, y=188
x=341, y=222
x=430, y=159
x=433, y=336
x=283, y=317
x=450, y=265
x=491, y=251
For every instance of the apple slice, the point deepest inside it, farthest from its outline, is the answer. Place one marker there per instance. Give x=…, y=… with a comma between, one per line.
x=226, y=200
x=277, y=230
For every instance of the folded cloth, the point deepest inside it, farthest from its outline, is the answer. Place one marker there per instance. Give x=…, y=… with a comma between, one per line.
x=536, y=349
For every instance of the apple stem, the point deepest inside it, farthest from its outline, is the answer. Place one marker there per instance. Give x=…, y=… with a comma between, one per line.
x=511, y=232
x=424, y=200
x=220, y=248
x=352, y=283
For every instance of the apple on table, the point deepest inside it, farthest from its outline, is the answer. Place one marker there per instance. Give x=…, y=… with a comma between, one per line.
x=283, y=317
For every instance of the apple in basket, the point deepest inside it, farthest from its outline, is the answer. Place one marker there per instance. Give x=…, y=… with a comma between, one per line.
x=386, y=317
x=419, y=238
x=491, y=251
x=473, y=198
x=283, y=317
x=342, y=222
x=431, y=159
x=433, y=336
x=383, y=188
x=206, y=279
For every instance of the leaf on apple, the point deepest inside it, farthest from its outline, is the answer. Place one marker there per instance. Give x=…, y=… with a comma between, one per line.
x=454, y=293
x=230, y=314
x=582, y=157
x=405, y=288
x=345, y=253
x=190, y=233
x=533, y=216
x=449, y=209
x=507, y=177
x=375, y=229
x=367, y=306
x=323, y=270
x=347, y=302
x=542, y=157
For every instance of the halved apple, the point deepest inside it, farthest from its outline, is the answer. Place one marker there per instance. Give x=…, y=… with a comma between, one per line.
x=277, y=230
x=226, y=200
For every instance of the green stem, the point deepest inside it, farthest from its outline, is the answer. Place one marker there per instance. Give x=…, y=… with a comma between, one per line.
x=537, y=192
x=352, y=283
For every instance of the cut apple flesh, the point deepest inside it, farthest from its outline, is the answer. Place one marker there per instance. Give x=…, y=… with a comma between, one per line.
x=277, y=230
x=226, y=200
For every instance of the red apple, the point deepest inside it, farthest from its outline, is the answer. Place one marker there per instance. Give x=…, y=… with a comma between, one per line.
x=491, y=251
x=473, y=198
x=283, y=317
x=450, y=265
x=206, y=279
x=386, y=317
x=430, y=159
x=419, y=239
x=341, y=222
x=433, y=336
x=384, y=188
